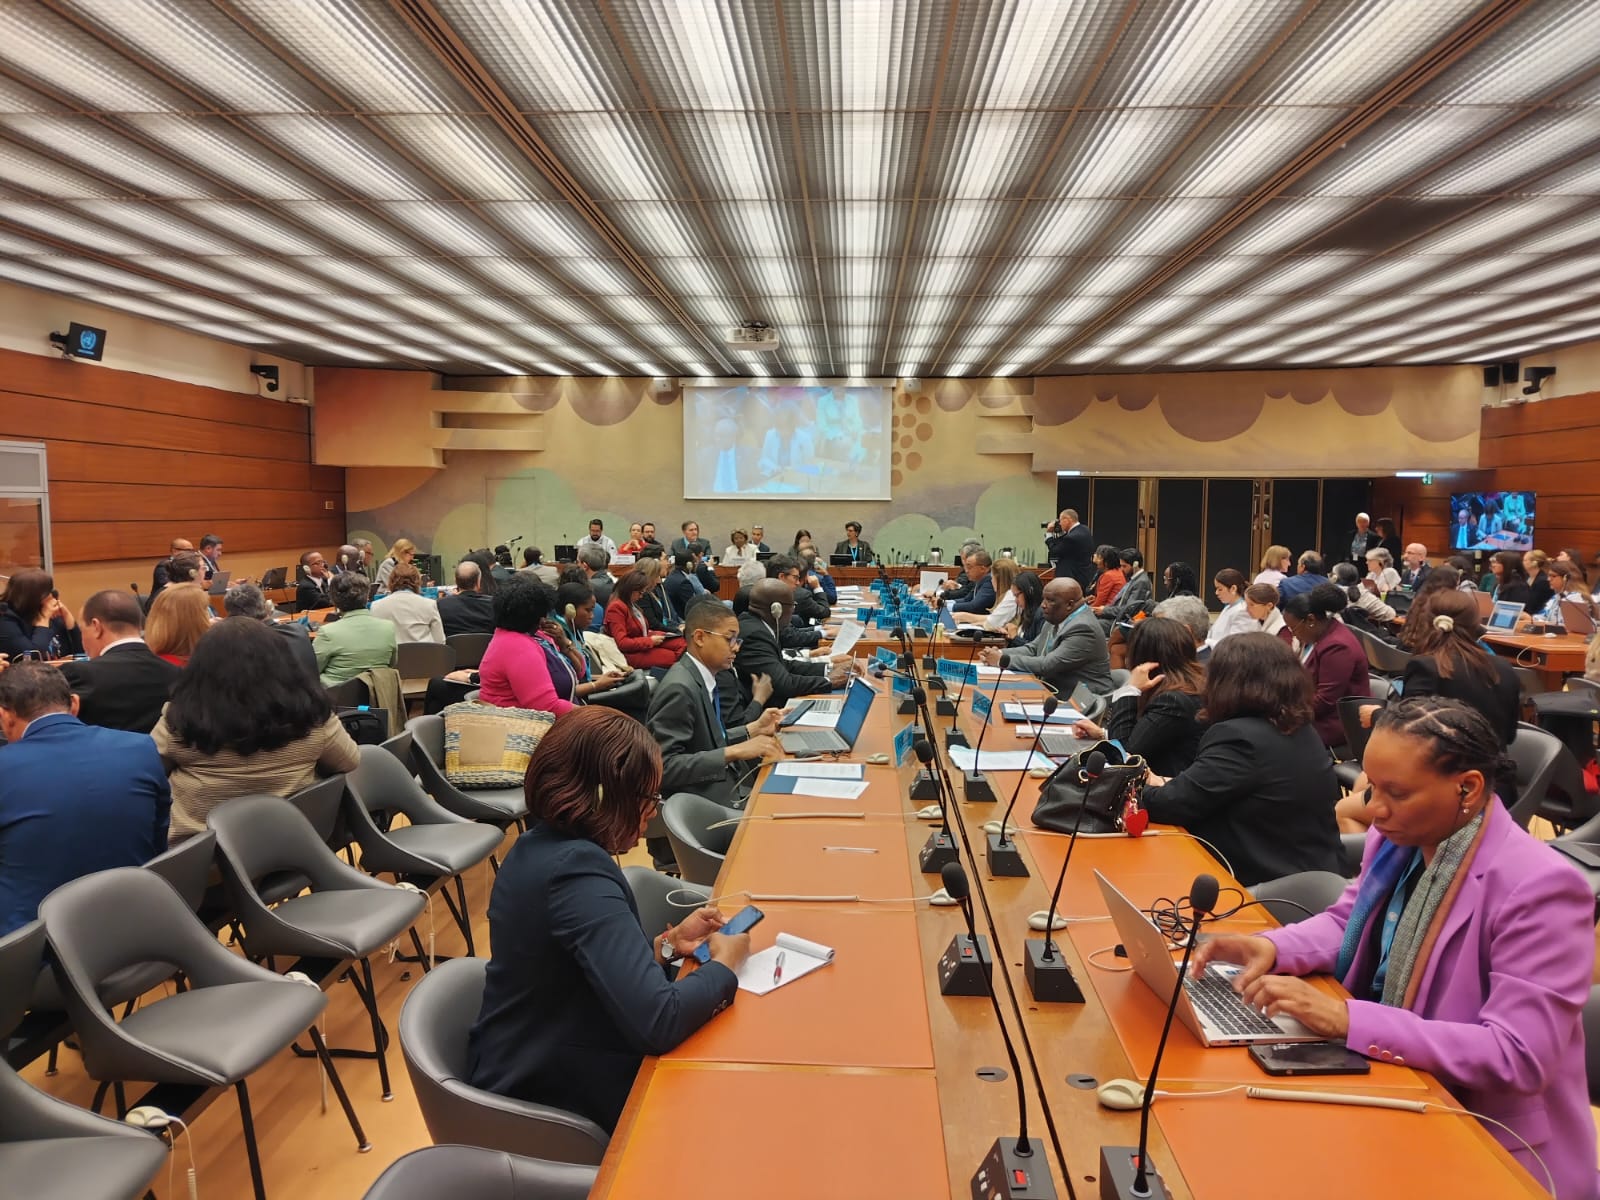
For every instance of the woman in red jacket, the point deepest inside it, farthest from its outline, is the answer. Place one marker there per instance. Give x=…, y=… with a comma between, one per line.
x=626, y=625
x=1331, y=653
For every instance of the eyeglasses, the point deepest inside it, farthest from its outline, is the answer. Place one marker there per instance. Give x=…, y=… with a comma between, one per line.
x=734, y=640
x=652, y=804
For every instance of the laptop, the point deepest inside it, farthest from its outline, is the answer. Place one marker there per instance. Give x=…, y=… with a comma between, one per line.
x=842, y=737
x=843, y=560
x=219, y=583
x=1575, y=618
x=1209, y=1006
x=1503, y=617
x=274, y=578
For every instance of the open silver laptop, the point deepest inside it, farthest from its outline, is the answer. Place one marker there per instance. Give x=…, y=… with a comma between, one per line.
x=1209, y=1006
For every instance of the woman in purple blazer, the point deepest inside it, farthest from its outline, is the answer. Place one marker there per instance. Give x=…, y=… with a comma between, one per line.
x=1466, y=944
x=1332, y=655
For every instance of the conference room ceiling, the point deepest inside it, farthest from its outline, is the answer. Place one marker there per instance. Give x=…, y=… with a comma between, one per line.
x=900, y=187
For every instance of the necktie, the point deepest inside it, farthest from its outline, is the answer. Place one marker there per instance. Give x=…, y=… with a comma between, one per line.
x=716, y=714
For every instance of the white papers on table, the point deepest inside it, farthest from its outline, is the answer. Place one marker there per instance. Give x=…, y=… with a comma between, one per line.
x=800, y=957
x=800, y=770
x=812, y=719
x=997, y=760
x=849, y=634
x=996, y=673
x=930, y=581
x=1035, y=712
x=827, y=789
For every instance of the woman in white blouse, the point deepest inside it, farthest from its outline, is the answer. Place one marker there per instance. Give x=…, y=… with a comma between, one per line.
x=414, y=616
x=1380, y=571
x=1004, y=571
x=1229, y=585
x=1274, y=565
x=740, y=551
x=1261, y=602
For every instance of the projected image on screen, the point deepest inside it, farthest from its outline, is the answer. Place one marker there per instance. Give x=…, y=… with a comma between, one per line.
x=1492, y=520
x=825, y=441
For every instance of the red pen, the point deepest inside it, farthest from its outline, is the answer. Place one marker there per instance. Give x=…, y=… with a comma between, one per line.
x=777, y=970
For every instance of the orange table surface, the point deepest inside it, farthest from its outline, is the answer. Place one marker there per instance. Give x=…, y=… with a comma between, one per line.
x=826, y=1017
x=885, y=797
x=790, y=858
x=780, y=1133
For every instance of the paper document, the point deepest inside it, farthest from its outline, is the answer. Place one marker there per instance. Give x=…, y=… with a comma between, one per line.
x=827, y=789
x=997, y=672
x=800, y=957
x=849, y=634
x=1035, y=712
x=800, y=770
x=998, y=760
x=929, y=581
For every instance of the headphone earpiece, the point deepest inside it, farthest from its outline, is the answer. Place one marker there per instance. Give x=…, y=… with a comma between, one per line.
x=599, y=794
x=572, y=613
x=1463, y=790
x=777, y=615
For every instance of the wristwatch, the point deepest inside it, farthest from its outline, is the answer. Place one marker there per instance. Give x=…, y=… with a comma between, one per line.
x=669, y=953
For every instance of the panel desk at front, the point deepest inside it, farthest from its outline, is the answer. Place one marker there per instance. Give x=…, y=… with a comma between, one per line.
x=861, y=1079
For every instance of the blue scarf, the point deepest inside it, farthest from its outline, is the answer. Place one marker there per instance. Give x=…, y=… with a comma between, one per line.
x=1378, y=882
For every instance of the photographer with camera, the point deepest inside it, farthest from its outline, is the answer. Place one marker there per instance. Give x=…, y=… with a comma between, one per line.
x=1070, y=545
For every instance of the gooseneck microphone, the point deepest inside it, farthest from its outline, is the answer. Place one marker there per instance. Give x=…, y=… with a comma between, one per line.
x=1125, y=1172
x=953, y=736
x=1008, y=1169
x=1002, y=854
x=939, y=851
x=975, y=784
x=1049, y=977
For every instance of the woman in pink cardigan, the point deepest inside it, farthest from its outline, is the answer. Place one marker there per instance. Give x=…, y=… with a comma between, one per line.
x=1466, y=944
x=517, y=671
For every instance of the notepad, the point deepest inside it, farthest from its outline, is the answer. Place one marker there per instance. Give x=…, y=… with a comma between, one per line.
x=802, y=770
x=1035, y=712
x=800, y=958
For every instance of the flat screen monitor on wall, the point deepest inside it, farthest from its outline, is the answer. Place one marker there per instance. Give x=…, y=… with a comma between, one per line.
x=825, y=441
x=1491, y=520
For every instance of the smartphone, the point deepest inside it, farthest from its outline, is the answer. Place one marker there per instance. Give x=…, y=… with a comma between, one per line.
x=1308, y=1058
x=746, y=919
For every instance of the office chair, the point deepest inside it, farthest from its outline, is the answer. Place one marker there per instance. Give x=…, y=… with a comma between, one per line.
x=1315, y=890
x=500, y=807
x=651, y=891
x=699, y=849
x=436, y=1171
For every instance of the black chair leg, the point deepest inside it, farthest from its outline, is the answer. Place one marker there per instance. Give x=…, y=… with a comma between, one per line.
x=380, y=1039
x=50, y=1065
x=99, y=1097
x=362, y=1144
x=252, y=1152
x=122, y=1099
x=458, y=910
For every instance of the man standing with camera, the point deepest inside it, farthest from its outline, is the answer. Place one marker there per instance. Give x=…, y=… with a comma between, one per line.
x=1070, y=545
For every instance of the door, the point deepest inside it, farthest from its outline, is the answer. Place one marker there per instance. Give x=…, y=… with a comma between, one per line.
x=1179, y=528
x=1293, y=519
x=1230, y=528
x=1115, y=515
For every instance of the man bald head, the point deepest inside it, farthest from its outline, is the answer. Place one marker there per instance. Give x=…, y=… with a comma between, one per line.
x=769, y=592
x=1061, y=599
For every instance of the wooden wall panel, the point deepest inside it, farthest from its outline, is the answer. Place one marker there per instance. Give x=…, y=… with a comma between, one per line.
x=135, y=461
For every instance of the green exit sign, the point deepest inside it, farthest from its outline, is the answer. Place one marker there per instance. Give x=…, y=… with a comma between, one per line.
x=1427, y=479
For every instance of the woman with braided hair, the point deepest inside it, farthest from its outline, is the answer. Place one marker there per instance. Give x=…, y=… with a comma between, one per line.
x=1467, y=945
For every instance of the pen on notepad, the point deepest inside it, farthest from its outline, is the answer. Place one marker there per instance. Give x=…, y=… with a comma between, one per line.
x=849, y=850
x=777, y=970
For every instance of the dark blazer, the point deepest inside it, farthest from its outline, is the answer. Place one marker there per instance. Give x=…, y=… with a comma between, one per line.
x=1501, y=702
x=679, y=587
x=54, y=640
x=689, y=725
x=1263, y=798
x=863, y=550
x=809, y=606
x=1349, y=540
x=1412, y=580
x=760, y=655
x=466, y=612
x=125, y=688
x=1539, y=593
x=798, y=636
x=682, y=545
x=300, y=646
x=660, y=612
x=73, y=800
x=1066, y=655
x=1167, y=734
x=601, y=584
x=312, y=593
x=573, y=998
x=1516, y=590
x=1072, y=553
x=1338, y=666
x=982, y=598
x=1293, y=585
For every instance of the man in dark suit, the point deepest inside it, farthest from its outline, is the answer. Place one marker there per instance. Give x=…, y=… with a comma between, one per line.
x=758, y=539
x=982, y=598
x=211, y=555
x=689, y=541
x=161, y=576
x=698, y=754
x=123, y=685
x=468, y=610
x=1071, y=646
x=73, y=799
x=690, y=579
x=760, y=653
x=594, y=562
x=311, y=592
x=808, y=605
x=1361, y=539
x=1416, y=568
x=1070, y=545
x=860, y=552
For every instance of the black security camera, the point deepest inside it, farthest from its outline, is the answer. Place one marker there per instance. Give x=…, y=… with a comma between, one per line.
x=1535, y=377
x=268, y=374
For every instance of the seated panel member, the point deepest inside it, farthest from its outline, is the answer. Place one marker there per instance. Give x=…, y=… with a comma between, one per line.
x=689, y=540
x=860, y=552
x=760, y=652
x=1070, y=648
x=124, y=684
x=577, y=993
x=982, y=598
x=311, y=591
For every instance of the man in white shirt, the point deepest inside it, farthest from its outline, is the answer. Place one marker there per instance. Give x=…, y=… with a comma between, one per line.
x=597, y=537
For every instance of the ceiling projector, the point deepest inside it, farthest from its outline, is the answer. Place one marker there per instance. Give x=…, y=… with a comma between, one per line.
x=752, y=336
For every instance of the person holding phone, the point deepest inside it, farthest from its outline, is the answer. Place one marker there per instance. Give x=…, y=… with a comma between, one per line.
x=1467, y=945
x=577, y=991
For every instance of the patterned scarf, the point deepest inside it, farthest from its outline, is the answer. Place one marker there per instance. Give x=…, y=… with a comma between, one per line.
x=1423, y=918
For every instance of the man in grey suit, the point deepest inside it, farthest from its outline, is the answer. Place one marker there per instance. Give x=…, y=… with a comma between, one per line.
x=698, y=754
x=1070, y=648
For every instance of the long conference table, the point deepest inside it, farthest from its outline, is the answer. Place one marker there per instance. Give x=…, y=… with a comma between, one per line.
x=860, y=1080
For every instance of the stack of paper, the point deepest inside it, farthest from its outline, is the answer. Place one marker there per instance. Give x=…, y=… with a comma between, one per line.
x=962, y=757
x=760, y=973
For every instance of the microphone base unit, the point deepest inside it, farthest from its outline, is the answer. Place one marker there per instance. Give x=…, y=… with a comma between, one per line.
x=945, y=706
x=939, y=849
x=935, y=683
x=1004, y=858
x=925, y=786
x=954, y=737
x=1006, y=1175
x=975, y=788
x=907, y=707
x=1119, y=1167
x=965, y=967
x=1050, y=979
x=929, y=663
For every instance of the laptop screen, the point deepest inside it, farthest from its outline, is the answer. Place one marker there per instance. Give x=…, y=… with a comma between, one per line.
x=1505, y=614
x=854, y=714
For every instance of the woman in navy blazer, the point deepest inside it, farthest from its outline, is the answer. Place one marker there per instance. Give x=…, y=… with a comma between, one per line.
x=1331, y=653
x=577, y=992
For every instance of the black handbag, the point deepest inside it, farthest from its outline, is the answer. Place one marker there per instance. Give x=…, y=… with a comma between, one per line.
x=1070, y=803
x=366, y=726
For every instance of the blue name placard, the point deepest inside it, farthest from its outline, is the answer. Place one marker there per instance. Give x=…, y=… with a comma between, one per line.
x=885, y=656
x=981, y=704
x=901, y=685
x=952, y=671
x=865, y=614
x=903, y=742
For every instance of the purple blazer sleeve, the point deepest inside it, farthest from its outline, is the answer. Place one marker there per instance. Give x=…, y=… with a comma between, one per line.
x=1312, y=946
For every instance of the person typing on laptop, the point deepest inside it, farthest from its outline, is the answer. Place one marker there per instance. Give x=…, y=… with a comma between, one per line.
x=1467, y=945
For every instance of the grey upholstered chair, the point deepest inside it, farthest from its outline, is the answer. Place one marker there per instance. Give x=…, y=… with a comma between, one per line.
x=347, y=914
x=49, y=1149
x=436, y=845
x=469, y=648
x=1305, y=890
x=502, y=807
x=1538, y=756
x=232, y=1018
x=436, y=1171
x=322, y=804
x=698, y=847
x=1591, y=1042
x=434, y=1022
x=653, y=896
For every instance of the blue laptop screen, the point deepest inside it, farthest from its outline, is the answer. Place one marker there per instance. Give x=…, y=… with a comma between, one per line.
x=854, y=714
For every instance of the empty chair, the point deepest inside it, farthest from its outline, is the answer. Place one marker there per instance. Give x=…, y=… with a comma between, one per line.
x=1356, y=736
x=321, y=804
x=699, y=848
x=436, y=845
x=1354, y=846
x=434, y=1023
x=419, y=662
x=347, y=914
x=352, y=693
x=468, y=648
x=1530, y=682
x=1303, y=894
x=659, y=907
x=502, y=807
x=49, y=1149
x=1536, y=752
x=436, y=1171
x=233, y=1017
x=1382, y=689
x=1382, y=657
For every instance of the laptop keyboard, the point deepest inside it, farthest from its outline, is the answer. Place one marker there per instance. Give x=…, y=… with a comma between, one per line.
x=835, y=706
x=1060, y=745
x=1214, y=998
x=810, y=741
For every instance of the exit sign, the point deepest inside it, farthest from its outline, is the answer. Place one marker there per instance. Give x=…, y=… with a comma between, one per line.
x=1427, y=479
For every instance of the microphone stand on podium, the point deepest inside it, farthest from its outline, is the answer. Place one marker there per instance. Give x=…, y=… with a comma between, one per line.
x=1045, y=968
x=1002, y=854
x=975, y=784
x=939, y=851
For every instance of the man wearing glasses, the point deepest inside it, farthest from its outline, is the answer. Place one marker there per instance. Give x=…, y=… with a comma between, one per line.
x=699, y=754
